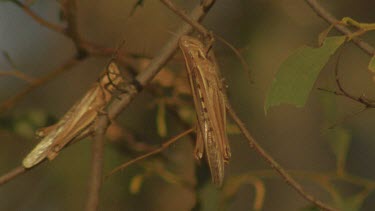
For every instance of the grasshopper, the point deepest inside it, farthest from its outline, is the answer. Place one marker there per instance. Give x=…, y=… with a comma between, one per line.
x=78, y=122
x=209, y=102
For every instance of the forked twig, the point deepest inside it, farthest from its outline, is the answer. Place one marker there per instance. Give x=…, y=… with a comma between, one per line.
x=328, y=17
x=37, y=18
x=368, y=103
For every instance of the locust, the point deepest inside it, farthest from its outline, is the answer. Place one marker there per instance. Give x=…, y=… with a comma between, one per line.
x=78, y=122
x=209, y=102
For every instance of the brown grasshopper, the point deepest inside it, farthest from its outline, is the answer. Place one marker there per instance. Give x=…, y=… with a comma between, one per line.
x=209, y=103
x=77, y=122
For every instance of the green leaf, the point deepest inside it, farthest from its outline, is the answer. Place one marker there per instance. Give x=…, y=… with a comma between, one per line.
x=161, y=123
x=297, y=74
x=371, y=65
x=136, y=184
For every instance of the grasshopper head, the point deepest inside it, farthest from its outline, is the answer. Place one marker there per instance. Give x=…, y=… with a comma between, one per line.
x=112, y=77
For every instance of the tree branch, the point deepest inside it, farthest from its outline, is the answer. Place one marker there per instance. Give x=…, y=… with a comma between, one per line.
x=18, y=74
x=95, y=180
x=155, y=65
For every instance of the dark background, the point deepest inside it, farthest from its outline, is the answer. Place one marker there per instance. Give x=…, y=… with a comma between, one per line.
x=265, y=32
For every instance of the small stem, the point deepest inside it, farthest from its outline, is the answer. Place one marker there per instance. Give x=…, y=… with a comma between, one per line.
x=153, y=152
x=276, y=166
x=38, y=19
x=12, y=174
x=201, y=29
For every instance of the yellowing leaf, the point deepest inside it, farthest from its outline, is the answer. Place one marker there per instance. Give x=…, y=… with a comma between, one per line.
x=371, y=65
x=298, y=73
x=136, y=184
x=160, y=120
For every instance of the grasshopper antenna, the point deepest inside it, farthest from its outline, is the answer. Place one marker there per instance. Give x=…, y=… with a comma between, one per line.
x=117, y=51
x=244, y=64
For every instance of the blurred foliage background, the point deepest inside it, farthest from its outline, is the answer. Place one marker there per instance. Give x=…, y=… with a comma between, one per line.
x=265, y=32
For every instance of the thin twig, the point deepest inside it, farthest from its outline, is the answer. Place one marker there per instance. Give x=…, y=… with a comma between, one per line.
x=153, y=152
x=196, y=25
x=18, y=74
x=268, y=158
x=38, y=19
x=368, y=103
x=244, y=64
x=70, y=11
x=8, y=103
x=12, y=174
x=323, y=13
x=95, y=180
x=276, y=166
